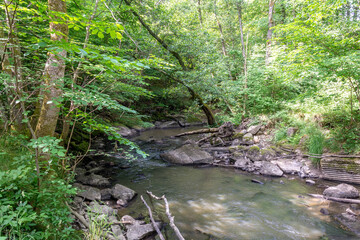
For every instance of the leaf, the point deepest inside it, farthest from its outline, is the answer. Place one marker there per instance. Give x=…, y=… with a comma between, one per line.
x=100, y=35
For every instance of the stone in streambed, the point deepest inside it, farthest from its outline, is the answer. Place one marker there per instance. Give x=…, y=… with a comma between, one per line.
x=341, y=191
x=138, y=232
x=123, y=193
x=269, y=169
x=87, y=192
x=186, y=155
x=289, y=166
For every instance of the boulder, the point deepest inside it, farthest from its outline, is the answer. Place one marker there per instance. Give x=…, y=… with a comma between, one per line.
x=105, y=194
x=87, y=192
x=269, y=169
x=254, y=129
x=289, y=166
x=248, y=139
x=341, y=191
x=267, y=154
x=138, y=232
x=126, y=132
x=253, y=153
x=122, y=193
x=243, y=164
x=187, y=154
x=98, y=209
x=94, y=180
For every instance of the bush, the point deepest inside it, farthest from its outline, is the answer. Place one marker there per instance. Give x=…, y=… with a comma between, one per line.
x=29, y=210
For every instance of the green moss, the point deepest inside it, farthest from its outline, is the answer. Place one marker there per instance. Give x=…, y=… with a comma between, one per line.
x=254, y=149
x=237, y=148
x=238, y=135
x=267, y=151
x=238, y=154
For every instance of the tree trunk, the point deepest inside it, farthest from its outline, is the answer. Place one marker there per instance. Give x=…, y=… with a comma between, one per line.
x=270, y=31
x=238, y=5
x=200, y=15
x=53, y=74
x=13, y=67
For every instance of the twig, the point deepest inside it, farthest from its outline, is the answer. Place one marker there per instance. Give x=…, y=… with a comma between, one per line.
x=171, y=218
x=81, y=218
x=210, y=130
x=152, y=219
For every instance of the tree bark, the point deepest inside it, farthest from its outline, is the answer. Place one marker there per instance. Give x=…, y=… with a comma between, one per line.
x=13, y=69
x=53, y=74
x=200, y=15
x=270, y=31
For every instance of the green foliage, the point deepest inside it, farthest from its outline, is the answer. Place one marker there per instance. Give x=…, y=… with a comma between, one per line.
x=33, y=206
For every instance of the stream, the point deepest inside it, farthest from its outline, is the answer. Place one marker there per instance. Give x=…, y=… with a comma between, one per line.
x=223, y=203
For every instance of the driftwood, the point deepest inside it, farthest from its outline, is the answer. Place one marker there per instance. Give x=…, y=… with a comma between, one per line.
x=335, y=199
x=171, y=218
x=152, y=219
x=208, y=130
x=78, y=216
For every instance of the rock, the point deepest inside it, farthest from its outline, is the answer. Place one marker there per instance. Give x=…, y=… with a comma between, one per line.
x=324, y=211
x=289, y=166
x=127, y=220
x=87, y=192
x=254, y=129
x=96, y=169
x=350, y=221
x=80, y=171
x=126, y=132
x=96, y=208
x=117, y=232
x=308, y=172
x=310, y=182
x=342, y=191
x=267, y=154
x=243, y=163
x=121, y=192
x=94, y=180
x=291, y=131
x=253, y=153
x=355, y=206
x=256, y=181
x=105, y=194
x=187, y=154
x=138, y=232
x=269, y=169
x=248, y=138
x=92, y=164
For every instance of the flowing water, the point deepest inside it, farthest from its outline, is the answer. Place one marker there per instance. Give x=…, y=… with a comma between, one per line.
x=224, y=203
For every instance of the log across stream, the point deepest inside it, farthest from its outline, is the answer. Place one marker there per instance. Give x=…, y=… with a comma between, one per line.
x=225, y=203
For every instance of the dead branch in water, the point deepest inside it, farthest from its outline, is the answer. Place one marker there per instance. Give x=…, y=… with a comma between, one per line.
x=209, y=130
x=171, y=218
x=335, y=199
x=152, y=219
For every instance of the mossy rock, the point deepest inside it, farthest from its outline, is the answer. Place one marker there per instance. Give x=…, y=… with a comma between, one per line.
x=267, y=151
x=237, y=148
x=238, y=154
x=192, y=119
x=238, y=135
x=254, y=149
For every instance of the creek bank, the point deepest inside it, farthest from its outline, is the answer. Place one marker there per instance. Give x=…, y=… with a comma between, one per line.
x=98, y=201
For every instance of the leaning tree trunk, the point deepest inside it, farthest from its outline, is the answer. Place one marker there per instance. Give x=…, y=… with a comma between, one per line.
x=53, y=74
x=206, y=109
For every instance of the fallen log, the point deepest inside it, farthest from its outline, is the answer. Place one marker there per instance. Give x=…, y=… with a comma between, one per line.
x=220, y=149
x=208, y=130
x=335, y=199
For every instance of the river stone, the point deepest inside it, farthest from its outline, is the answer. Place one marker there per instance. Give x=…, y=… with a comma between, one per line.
x=248, y=137
x=87, y=192
x=243, y=164
x=341, y=191
x=105, y=194
x=116, y=233
x=269, y=169
x=289, y=166
x=254, y=129
x=138, y=232
x=98, y=209
x=187, y=154
x=94, y=180
x=121, y=192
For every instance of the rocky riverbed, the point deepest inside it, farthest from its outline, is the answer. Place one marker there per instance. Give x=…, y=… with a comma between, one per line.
x=247, y=148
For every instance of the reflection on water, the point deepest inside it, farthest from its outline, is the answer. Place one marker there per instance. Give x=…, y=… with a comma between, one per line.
x=225, y=204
